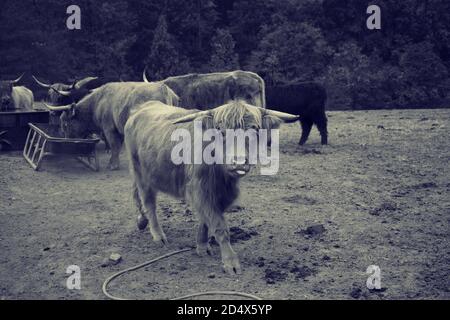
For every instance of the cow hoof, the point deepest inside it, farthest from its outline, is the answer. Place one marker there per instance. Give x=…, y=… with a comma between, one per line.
x=203, y=250
x=161, y=239
x=142, y=222
x=232, y=266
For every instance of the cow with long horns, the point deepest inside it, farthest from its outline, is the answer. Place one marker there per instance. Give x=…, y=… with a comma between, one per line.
x=210, y=90
x=106, y=110
x=62, y=94
x=12, y=97
x=209, y=188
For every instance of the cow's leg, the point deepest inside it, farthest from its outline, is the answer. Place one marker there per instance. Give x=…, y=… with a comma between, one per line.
x=306, y=129
x=107, y=147
x=203, y=246
x=149, y=204
x=142, y=220
x=219, y=229
x=321, y=124
x=114, y=140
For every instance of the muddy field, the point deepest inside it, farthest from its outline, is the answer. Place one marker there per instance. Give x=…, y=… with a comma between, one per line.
x=377, y=195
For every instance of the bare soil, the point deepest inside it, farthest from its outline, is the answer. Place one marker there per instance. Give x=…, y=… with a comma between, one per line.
x=377, y=195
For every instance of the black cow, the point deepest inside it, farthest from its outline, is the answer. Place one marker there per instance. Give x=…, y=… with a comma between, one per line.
x=306, y=99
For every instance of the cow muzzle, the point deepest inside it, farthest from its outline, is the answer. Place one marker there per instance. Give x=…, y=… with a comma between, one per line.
x=239, y=166
x=241, y=171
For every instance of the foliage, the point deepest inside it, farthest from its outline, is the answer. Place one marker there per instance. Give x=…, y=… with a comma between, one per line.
x=164, y=59
x=223, y=56
x=405, y=64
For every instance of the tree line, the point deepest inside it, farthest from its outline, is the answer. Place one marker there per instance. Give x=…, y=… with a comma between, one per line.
x=405, y=64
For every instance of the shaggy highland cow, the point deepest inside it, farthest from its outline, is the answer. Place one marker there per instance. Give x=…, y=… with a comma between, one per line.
x=62, y=94
x=210, y=90
x=209, y=188
x=307, y=99
x=12, y=97
x=106, y=110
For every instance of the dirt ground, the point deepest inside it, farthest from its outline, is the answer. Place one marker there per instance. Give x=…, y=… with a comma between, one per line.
x=377, y=195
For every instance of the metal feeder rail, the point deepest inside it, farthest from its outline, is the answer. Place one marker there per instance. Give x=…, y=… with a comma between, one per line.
x=40, y=143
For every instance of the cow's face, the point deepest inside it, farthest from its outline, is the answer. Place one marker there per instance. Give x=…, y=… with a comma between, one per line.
x=63, y=94
x=55, y=97
x=239, y=124
x=73, y=125
x=6, y=101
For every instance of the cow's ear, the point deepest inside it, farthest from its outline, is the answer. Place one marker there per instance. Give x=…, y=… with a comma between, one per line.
x=271, y=122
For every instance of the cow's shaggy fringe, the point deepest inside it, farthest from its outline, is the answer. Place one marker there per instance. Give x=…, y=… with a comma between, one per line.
x=235, y=114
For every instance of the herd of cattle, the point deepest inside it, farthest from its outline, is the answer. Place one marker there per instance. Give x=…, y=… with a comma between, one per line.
x=143, y=114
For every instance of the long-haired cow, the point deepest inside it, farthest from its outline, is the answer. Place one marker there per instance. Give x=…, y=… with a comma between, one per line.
x=62, y=94
x=210, y=90
x=307, y=99
x=12, y=97
x=209, y=188
x=106, y=110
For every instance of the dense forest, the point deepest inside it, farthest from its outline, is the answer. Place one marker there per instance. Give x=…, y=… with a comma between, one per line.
x=405, y=64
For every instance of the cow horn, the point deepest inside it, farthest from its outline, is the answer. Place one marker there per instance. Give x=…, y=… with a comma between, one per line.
x=41, y=83
x=192, y=116
x=61, y=92
x=144, y=75
x=286, y=117
x=83, y=82
x=58, y=108
x=18, y=79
